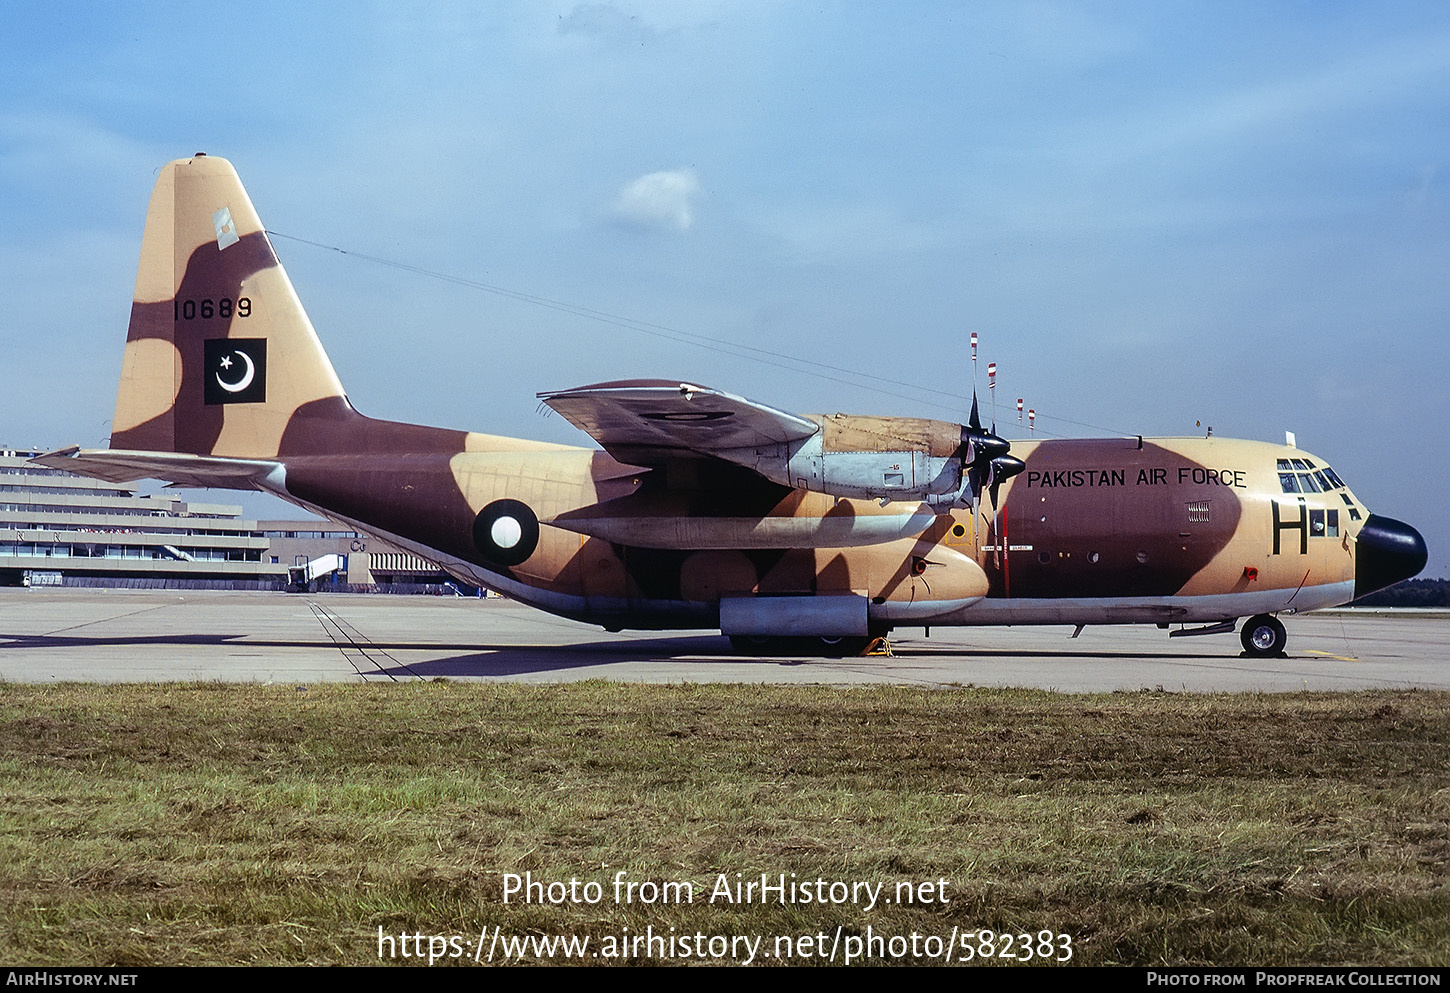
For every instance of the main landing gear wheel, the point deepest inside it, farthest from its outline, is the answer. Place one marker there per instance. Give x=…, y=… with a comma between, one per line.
x=1263, y=636
x=830, y=647
x=842, y=648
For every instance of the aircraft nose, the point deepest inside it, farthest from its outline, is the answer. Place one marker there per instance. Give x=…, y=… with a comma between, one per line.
x=1386, y=552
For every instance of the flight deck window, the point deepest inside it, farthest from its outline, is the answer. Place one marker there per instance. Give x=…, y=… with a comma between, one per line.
x=1333, y=524
x=1300, y=476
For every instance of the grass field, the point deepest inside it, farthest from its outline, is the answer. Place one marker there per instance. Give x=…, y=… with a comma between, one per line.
x=160, y=825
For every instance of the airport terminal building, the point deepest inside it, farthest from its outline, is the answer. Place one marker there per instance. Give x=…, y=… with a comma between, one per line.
x=60, y=529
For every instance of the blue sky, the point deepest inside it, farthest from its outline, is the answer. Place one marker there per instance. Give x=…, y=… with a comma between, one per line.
x=1154, y=214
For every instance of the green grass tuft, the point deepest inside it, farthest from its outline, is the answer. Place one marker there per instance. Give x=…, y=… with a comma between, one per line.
x=163, y=825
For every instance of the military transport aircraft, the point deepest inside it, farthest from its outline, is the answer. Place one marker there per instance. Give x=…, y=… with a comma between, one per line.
x=709, y=510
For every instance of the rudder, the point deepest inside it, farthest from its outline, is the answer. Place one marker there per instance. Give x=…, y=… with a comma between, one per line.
x=220, y=355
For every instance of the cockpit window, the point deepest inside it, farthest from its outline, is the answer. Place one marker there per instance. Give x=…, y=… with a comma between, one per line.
x=1302, y=476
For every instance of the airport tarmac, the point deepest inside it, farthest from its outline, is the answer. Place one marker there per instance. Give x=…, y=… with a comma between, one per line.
x=56, y=635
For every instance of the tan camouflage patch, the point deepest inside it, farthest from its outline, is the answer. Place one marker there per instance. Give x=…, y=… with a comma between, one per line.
x=150, y=381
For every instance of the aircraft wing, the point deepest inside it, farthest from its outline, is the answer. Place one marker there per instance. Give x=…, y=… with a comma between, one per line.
x=652, y=422
x=121, y=466
x=647, y=421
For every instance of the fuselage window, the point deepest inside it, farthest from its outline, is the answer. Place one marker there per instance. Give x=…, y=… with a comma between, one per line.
x=1324, y=523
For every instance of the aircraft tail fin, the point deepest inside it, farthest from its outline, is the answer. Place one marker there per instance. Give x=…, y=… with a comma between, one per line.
x=221, y=359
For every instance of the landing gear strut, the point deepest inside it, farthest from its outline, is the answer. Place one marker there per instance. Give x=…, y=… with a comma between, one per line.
x=1263, y=636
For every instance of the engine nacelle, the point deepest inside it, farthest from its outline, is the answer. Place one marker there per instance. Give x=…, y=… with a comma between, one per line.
x=894, y=458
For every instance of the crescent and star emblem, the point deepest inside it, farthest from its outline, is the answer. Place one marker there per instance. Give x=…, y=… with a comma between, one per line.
x=240, y=384
x=236, y=370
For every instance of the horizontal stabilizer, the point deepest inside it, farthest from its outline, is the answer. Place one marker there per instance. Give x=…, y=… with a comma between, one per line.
x=121, y=466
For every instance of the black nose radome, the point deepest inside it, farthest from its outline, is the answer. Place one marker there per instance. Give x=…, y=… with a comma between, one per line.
x=1386, y=552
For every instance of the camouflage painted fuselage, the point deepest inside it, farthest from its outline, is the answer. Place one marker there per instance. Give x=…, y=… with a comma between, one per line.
x=225, y=383
x=1091, y=532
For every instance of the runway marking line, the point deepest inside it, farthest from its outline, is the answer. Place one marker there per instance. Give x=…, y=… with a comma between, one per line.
x=1330, y=655
x=356, y=643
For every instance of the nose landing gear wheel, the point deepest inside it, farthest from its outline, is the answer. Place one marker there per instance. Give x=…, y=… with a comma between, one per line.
x=1263, y=636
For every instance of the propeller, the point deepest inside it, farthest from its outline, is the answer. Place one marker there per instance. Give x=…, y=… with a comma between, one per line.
x=985, y=461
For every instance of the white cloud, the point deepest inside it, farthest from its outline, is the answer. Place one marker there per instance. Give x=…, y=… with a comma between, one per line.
x=659, y=201
x=604, y=22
